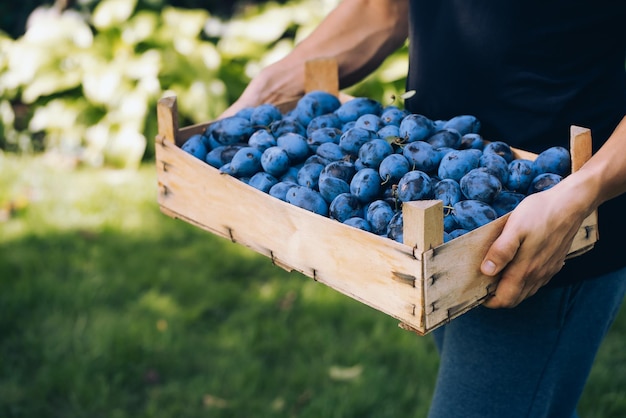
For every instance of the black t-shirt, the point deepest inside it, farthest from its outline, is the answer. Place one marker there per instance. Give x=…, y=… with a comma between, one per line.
x=528, y=69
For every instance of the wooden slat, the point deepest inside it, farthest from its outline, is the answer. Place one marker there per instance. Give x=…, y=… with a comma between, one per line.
x=423, y=224
x=167, y=115
x=580, y=146
x=321, y=74
x=377, y=271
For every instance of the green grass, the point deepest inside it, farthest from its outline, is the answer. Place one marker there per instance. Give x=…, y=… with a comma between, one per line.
x=109, y=308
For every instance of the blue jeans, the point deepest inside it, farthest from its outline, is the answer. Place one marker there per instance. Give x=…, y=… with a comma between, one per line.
x=530, y=361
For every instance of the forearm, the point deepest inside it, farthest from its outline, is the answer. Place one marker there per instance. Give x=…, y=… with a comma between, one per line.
x=358, y=34
x=603, y=177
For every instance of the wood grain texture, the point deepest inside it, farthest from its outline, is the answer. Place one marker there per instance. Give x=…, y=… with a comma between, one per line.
x=377, y=271
x=422, y=283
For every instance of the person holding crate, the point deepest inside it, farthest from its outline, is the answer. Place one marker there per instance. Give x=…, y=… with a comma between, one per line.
x=528, y=70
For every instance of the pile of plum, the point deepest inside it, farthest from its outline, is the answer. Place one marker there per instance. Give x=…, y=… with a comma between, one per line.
x=358, y=161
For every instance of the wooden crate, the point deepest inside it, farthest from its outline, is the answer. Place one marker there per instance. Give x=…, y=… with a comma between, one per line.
x=422, y=282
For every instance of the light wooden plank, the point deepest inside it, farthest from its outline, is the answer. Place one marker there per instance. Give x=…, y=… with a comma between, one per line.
x=377, y=271
x=423, y=224
x=321, y=74
x=580, y=146
x=167, y=118
x=452, y=279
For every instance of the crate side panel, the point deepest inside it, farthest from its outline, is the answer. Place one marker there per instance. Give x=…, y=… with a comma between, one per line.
x=453, y=281
x=377, y=271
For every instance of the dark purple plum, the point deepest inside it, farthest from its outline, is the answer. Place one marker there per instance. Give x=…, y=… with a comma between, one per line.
x=414, y=185
x=457, y=163
x=521, y=174
x=472, y=214
x=344, y=206
x=366, y=185
x=556, y=160
x=480, y=184
x=416, y=127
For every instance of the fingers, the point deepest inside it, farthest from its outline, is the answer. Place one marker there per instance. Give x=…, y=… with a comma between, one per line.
x=501, y=253
x=521, y=271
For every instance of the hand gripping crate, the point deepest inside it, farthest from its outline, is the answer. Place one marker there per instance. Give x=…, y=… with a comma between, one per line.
x=422, y=282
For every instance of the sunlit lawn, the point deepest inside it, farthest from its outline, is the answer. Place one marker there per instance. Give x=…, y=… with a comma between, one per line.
x=108, y=308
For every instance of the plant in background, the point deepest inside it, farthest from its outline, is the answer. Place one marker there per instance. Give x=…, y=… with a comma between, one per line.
x=85, y=83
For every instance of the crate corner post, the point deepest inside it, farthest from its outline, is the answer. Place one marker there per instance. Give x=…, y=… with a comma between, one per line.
x=167, y=119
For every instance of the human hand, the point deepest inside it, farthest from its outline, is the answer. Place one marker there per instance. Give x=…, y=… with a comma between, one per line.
x=533, y=245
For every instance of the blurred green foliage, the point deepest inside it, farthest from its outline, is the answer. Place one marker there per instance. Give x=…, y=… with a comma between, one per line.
x=85, y=81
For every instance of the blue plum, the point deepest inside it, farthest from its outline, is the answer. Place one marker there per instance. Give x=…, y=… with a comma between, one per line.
x=501, y=148
x=449, y=138
x=262, y=181
x=480, y=184
x=471, y=214
x=358, y=222
x=392, y=116
x=232, y=130
x=521, y=174
x=343, y=170
x=196, y=146
x=543, y=182
x=472, y=141
x=378, y=214
x=496, y=165
x=415, y=185
x=308, y=199
x=221, y=155
x=344, y=206
x=330, y=151
x=331, y=187
x=245, y=163
x=295, y=145
x=416, y=127
x=506, y=201
x=275, y=161
x=457, y=163
x=463, y=124
x=370, y=122
x=287, y=125
x=309, y=175
x=448, y=191
x=263, y=115
x=393, y=167
x=373, y=152
x=366, y=185
x=262, y=139
x=356, y=107
x=389, y=132
x=352, y=140
x=328, y=120
x=422, y=156
x=280, y=189
x=556, y=160
x=395, y=229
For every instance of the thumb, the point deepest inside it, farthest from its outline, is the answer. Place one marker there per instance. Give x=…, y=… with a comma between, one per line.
x=500, y=253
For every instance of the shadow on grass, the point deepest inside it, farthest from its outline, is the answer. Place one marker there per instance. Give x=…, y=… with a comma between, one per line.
x=180, y=323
